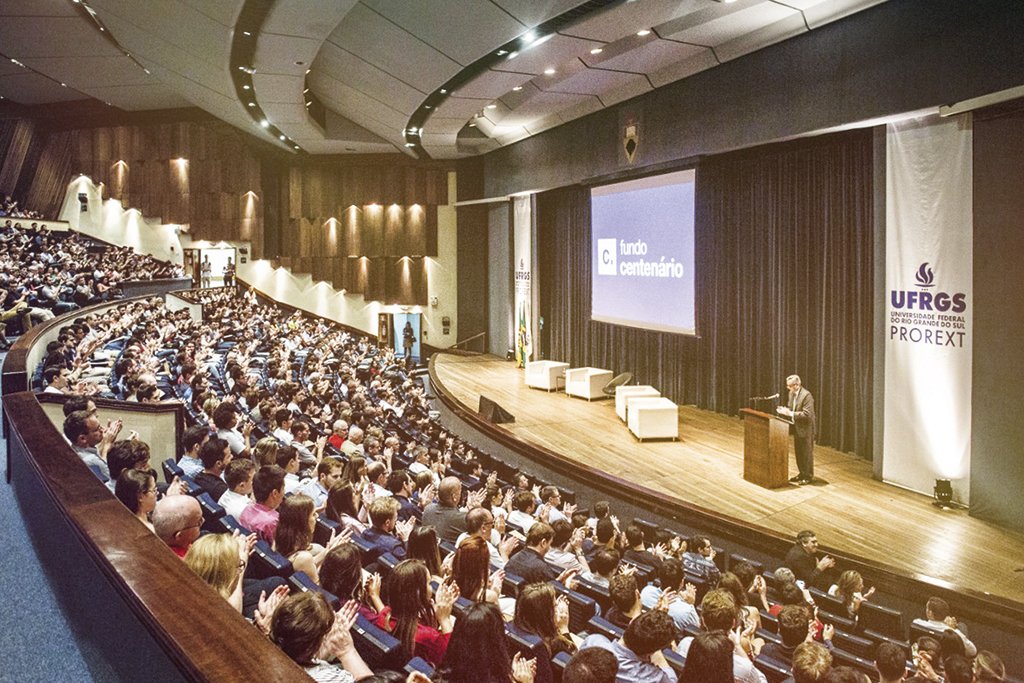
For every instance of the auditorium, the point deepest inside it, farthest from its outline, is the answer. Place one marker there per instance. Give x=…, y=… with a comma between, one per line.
x=512, y=340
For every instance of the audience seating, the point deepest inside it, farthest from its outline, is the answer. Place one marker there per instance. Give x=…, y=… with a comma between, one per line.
x=378, y=648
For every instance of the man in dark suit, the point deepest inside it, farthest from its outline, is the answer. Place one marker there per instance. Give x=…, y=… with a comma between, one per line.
x=800, y=408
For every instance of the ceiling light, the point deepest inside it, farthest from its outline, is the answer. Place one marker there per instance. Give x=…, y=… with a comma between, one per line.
x=300, y=63
x=281, y=136
x=252, y=104
x=245, y=87
x=296, y=146
x=472, y=125
x=146, y=70
x=512, y=55
x=63, y=85
x=597, y=51
x=550, y=71
x=517, y=88
x=492, y=106
x=410, y=144
x=501, y=53
x=246, y=33
x=644, y=32
x=265, y=123
x=443, y=91
x=529, y=37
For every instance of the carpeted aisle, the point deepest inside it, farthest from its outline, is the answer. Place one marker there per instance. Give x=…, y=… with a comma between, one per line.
x=36, y=641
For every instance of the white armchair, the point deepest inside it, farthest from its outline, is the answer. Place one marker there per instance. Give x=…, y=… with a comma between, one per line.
x=587, y=383
x=548, y=375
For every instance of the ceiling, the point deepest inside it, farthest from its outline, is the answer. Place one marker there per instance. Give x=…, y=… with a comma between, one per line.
x=444, y=78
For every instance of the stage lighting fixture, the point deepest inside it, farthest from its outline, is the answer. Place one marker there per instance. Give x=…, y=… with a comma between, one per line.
x=510, y=354
x=943, y=492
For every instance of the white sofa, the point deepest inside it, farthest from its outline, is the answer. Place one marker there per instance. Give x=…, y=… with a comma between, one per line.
x=587, y=383
x=548, y=375
x=653, y=418
x=624, y=394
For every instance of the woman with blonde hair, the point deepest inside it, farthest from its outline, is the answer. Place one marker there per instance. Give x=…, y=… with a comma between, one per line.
x=220, y=560
x=265, y=451
x=850, y=589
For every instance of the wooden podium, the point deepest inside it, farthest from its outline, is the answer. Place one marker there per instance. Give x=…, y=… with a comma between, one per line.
x=765, y=449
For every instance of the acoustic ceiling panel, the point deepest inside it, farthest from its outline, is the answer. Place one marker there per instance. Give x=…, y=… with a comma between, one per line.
x=628, y=18
x=492, y=84
x=598, y=81
x=552, y=53
x=365, y=77
x=729, y=24
x=533, y=12
x=652, y=56
x=138, y=97
x=30, y=88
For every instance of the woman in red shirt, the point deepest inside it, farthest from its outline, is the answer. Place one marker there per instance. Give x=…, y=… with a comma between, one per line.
x=423, y=625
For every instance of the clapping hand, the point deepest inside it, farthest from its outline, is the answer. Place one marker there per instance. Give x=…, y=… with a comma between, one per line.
x=523, y=670
x=267, y=606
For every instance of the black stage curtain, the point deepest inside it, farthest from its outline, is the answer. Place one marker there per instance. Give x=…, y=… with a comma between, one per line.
x=783, y=284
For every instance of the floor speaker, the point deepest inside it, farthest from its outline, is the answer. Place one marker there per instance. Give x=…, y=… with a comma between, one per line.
x=492, y=412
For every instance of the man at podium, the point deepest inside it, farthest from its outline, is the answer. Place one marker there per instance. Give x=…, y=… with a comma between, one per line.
x=800, y=410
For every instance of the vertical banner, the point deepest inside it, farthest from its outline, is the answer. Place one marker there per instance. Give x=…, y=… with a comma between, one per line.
x=522, y=248
x=929, y=270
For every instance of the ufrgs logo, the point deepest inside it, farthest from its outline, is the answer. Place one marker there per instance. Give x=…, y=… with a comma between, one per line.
x=607, y=261
x=924, y=317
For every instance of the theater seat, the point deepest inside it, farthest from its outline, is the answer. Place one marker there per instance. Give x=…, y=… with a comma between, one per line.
x=774, y=671
x=530, y=647
x=212, y=512
x=419, y=664
x=299, y=582
x=378, y=648
x=581, y=608
x=604, y=627
x=884, y=620
x=266, y=562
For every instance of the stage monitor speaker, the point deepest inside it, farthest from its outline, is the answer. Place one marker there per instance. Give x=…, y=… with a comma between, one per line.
x=492, y=412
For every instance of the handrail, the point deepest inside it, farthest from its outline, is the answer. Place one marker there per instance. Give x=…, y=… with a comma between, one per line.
x=479, y=335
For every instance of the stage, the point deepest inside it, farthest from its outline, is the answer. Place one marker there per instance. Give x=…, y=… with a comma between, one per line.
x=850, y=511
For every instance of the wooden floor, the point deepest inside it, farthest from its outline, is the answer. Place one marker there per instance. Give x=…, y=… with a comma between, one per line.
x=852, y=513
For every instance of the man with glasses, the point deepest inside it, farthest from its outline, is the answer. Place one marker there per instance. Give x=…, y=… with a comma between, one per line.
x=177, y=521
x=803, y=560
x=799, y=409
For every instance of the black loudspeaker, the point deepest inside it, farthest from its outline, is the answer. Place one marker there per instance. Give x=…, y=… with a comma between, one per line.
x=492, y=412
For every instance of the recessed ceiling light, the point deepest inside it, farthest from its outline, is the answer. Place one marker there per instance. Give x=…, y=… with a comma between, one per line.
x=296, y=146
x=597, y=51
x=443, y=91
x=410, y=144
x=265, y=123
x=300, y=63
x=245, y=87
x=492, y=106
x=501, y=53
x=281, y=136
x=246, y=33
x=644, y=32
x=529, y=37
x=252, y=104
x=549, y=71
x=517, y=88
x=63, y=85
x=512, y=55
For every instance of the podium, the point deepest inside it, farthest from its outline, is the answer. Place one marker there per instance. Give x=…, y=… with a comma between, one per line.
x=765, y=449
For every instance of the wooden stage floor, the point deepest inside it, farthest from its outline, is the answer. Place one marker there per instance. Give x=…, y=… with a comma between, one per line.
x=852, y=513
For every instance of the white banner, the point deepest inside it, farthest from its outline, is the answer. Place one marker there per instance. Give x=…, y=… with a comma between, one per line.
x=928, y=283
x=522, y=230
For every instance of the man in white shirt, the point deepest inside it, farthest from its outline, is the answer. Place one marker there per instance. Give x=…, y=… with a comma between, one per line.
x=193, y=441
x=938, y=618
x=353, y=445
x=328, y=473
x=480, y=522
x=283, y=419
x=238, y=475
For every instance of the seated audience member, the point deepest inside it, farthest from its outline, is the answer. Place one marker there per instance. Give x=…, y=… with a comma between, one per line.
x=306, y=628
x=341, y=574
x=377, y=475
x=638, y=652
x=86, y=436
x=709, y=659
x=636, y=550
x=401, y=486
x=794, y=626
x=309, y=458
x=192, y=441
x=850, y=589
x=423, y=626
x=126, y=454
x=803, y=560
x=238, y=476
x=602, y=568
x=226, y=420
x=353, y=445
x=749, y=615
x=328, y=472
x=567, y=548
x=755, y=589
x=926, y=656
x=481, y=522
x=471, y=572
x=293, y=537
x=938, y=618
x=177, y=520
x=422, y=546
x=283, y=420
x=524, y=505
x=593, y=665
x=288, y=460
x=625, y=600
x=343, y=505
x=988, y=668
x=811, y=663
x=552, y=499
x=606, y=537
x=477, y=651
x=137, y=491
x=529, y=562
x=220, y=560
x=890, y=663
x=540, y=613
x=57, y=380
x=680, y=608
x=386, y=534
x=339, y=432
x=445, y=515
x=265, y=451
x=267, y=491
x=718, y=612
x=958, y=669
x=216, y=455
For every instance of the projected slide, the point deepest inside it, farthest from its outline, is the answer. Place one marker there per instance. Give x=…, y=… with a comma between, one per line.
x=642, y=253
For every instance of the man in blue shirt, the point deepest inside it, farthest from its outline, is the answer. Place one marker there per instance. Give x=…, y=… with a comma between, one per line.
x=638, y=652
